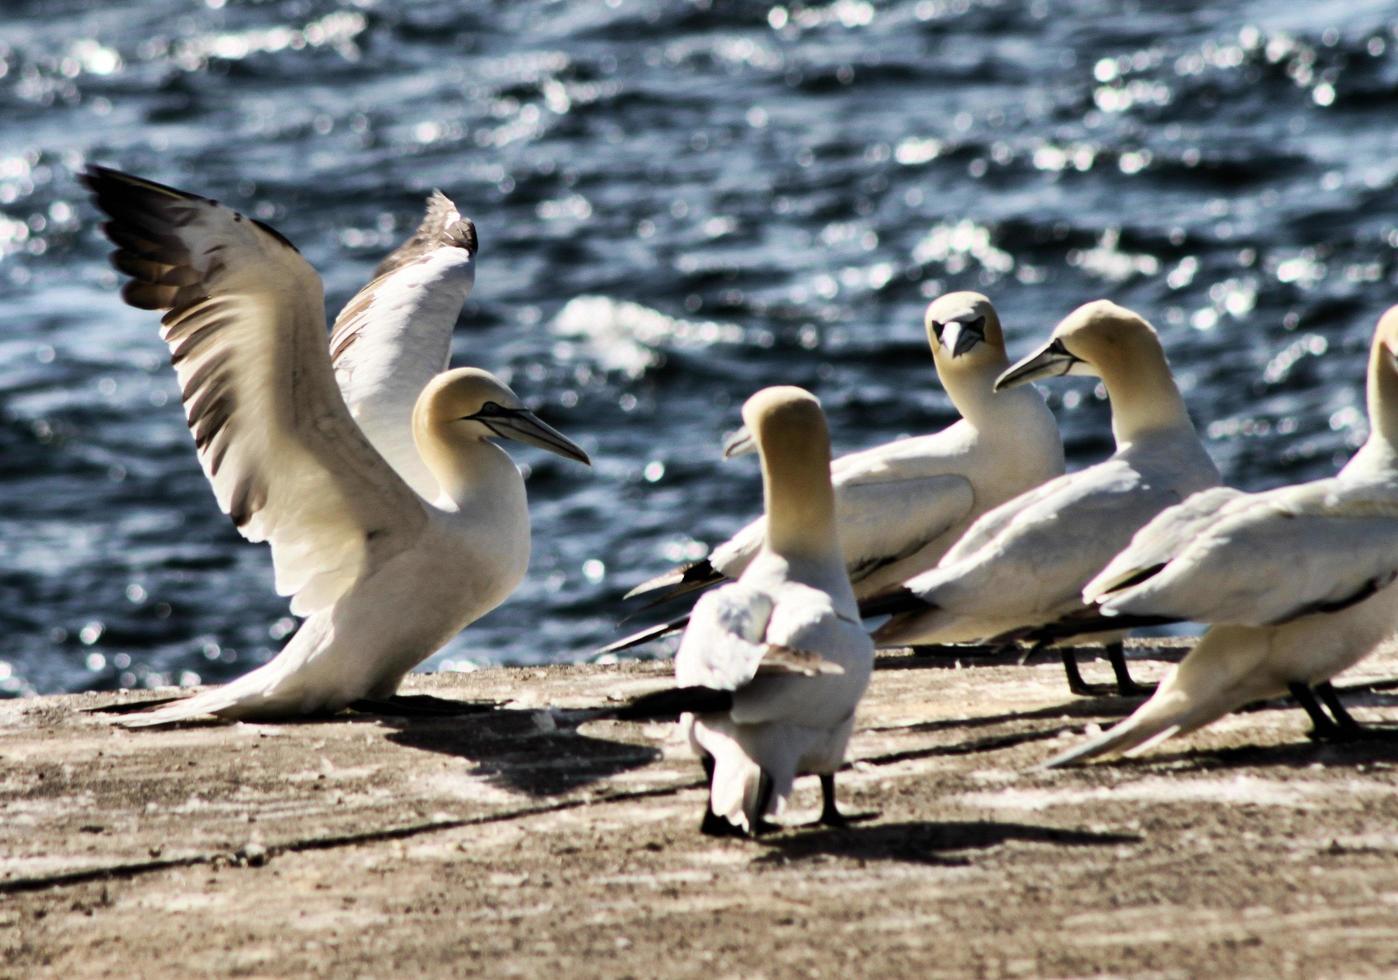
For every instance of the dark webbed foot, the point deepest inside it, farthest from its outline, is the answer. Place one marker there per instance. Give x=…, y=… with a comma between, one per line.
x=1323, y=729
x=715, y=826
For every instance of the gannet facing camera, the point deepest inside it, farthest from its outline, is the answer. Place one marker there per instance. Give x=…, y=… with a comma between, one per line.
x=384, y=576
x=1298, y=582
x=782, y=647
x=1023, y=565
x=901, y=505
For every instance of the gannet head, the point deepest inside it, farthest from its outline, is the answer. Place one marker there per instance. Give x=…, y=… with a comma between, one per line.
x=1098, y=340
x=964, y=329
x=1382, y=385
x=781, y=421
x=468, y=403
x=1387, y=334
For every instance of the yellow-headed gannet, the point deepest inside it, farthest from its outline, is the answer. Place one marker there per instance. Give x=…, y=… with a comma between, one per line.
x=1023, y=565
x=384, y=576
x=1298, y=581
x=782, y=646
x=901, y=505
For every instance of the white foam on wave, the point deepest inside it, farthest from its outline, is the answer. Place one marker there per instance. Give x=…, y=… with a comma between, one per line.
x=630, y=338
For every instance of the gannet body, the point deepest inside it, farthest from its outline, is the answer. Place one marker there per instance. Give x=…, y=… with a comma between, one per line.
x=1023, y=564
x=1298, y=582
x=900, y=506
x=785, y=639
x=383, y=576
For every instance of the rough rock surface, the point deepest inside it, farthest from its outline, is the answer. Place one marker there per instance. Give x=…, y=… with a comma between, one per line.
x=527, y=840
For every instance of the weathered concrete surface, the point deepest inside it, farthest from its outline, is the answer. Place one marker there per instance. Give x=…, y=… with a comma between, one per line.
x=521, y=842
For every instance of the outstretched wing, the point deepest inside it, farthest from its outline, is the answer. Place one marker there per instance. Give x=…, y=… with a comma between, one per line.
x=394, y=336
x=245, y=324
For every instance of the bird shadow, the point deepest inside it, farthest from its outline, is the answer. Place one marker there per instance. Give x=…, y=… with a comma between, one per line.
x=926, y=842
x=536, y=752
x=1379, y=746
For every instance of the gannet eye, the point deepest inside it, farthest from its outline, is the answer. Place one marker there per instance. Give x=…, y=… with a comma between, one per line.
x=937, y=330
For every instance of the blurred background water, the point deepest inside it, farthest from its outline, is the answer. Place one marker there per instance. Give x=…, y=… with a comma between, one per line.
x=678, y=202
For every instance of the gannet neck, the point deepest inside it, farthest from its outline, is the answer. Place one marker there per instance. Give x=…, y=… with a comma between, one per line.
x=1144, y=399
x=1124, y=351
x=1381, y=388
x=794, y=442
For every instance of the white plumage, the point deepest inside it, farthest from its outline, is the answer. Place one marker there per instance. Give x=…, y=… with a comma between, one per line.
x=901, y=505
x=384, y=576
x=785, y=638
x=1297, y=579
x=394, y=336
x=1023, y=565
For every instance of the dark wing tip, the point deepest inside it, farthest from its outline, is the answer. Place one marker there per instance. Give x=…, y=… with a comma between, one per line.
x=462, y=234
x=669, y=704
x=895, y=601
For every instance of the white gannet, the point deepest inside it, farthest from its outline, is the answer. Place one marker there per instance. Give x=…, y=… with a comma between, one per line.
x=783, y=643
x=384, y=576
x=394, y=335
x=1298, y=581
x=902, y=504
x=1023, y=565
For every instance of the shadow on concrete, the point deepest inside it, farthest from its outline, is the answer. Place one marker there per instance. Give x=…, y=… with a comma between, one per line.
x=1380, y=747
x=1111, y=707
x=533, y=752
x=926, y=842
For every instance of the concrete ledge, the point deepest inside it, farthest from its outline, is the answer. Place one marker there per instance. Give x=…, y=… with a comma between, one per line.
x=525, y=841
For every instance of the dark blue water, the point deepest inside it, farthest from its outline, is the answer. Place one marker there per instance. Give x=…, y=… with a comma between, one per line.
x=678, y=202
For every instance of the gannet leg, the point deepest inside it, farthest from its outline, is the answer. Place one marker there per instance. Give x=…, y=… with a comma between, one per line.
x=830, y=815
x=761, y=824
x=1348, y=726
x=1076, y=684
x=1323, y=729
x=1125, y=686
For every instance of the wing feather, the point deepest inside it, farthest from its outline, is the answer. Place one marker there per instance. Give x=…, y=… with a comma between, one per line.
x=394, y=336
x=245, y=324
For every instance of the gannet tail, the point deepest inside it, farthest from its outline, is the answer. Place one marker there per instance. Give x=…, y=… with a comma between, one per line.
x=298, y=681
x=1217, y=677
x=646, y=635
x=677, y=582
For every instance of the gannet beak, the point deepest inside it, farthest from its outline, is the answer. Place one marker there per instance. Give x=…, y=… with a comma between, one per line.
x=739, y=443
x=960, y=334
x=1053, y=360
x=524, y=426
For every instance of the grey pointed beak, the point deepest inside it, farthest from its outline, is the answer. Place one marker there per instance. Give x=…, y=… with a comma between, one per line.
x=524, y=426
x=739, y=443
x=1053, y=360
x=960, y=335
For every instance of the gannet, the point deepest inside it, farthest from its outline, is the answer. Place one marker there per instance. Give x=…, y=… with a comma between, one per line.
x=1024, y=564
x=901, y=505
x=383, y=575
x=1298, y=580
x=783, y=645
